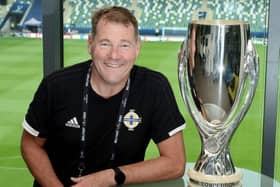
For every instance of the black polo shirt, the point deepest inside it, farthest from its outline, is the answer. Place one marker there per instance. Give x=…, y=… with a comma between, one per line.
x=56, y=110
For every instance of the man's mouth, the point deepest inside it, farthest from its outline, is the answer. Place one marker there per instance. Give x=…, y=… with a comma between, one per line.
x=113, y=65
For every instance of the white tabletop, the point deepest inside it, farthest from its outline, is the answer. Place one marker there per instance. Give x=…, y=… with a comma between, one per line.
x=249, y=179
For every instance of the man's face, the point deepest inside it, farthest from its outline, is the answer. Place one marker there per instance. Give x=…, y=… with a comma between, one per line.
x=114, y=50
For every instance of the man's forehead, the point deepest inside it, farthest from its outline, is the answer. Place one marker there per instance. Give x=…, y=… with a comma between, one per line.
x=105, y=21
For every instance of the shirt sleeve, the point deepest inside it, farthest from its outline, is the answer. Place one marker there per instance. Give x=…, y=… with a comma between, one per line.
x=36, y=118
x=167, y=119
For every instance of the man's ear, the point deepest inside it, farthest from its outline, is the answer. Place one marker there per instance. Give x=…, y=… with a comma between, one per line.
x=138, y=46
x=90, y=43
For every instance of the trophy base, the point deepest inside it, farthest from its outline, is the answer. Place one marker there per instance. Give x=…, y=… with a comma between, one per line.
x=198, y=179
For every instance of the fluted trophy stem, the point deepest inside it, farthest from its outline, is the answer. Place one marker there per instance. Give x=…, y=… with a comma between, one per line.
x=218, y=73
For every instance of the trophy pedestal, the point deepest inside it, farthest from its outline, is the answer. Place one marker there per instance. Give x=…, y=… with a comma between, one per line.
x=198, y=179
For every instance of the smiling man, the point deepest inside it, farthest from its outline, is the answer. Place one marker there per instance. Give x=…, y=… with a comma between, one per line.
x=90, y=124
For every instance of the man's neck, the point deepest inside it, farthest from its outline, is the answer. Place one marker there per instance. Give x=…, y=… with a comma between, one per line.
x=106, y=90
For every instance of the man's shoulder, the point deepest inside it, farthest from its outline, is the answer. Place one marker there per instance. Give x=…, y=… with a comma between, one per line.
x=148, y=75
x=69, y=73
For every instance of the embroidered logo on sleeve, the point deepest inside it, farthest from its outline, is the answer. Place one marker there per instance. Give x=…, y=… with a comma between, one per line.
x=131, y=120
x=72, y=123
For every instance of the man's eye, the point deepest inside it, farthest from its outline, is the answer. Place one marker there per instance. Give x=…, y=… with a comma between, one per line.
x=125, y=45
x=104, y=44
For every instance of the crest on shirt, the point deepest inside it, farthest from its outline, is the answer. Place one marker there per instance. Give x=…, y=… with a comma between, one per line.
x=131, y=120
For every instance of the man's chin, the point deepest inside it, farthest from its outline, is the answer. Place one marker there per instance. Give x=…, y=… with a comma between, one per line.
x=116, y=81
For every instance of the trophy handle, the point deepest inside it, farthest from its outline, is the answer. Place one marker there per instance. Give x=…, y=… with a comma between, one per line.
x=186, y=91
x=248, y=85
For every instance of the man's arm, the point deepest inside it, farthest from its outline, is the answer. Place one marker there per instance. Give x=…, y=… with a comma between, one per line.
x=38, y=161
x=169, y=165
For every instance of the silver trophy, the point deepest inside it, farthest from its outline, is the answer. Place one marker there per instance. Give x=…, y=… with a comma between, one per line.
x=218, y=73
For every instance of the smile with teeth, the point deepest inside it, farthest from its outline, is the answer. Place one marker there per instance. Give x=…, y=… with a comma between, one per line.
x=113, y=65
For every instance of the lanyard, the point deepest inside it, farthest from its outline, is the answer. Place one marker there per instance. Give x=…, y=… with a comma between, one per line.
x=82, y=166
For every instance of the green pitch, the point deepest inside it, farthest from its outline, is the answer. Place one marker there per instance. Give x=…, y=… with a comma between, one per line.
x=21, y=71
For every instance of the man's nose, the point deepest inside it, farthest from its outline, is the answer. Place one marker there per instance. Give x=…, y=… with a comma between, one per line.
x=114, y=52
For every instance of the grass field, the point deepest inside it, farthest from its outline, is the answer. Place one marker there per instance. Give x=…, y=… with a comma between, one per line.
x=21, y=71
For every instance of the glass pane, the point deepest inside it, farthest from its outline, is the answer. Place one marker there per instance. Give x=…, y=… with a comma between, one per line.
x=76, y=21
x=21, y=65
x=163, y=25
x=20, y=73
x=168, y=20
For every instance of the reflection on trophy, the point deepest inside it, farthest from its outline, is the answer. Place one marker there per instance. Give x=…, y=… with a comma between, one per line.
x=218, y=74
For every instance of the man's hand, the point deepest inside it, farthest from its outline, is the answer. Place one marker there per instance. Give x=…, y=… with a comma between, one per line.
x=169, y=165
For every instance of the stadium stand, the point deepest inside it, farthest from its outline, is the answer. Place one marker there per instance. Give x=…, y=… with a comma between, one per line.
x=2, y=13
x=14, y=15
x=35, y=11
x=158, y=16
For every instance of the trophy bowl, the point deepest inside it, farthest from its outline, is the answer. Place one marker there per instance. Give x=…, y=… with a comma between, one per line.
x=218, y=71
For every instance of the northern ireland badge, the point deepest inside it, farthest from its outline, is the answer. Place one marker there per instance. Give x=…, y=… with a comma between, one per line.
x=131, y=120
